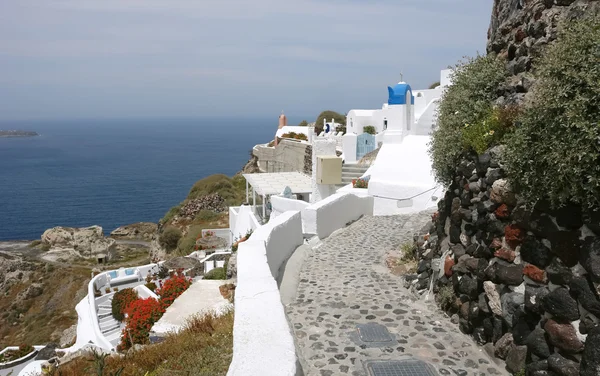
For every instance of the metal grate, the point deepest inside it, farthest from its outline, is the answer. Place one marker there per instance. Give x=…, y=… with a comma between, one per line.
x=400, y=368
x=373, y=332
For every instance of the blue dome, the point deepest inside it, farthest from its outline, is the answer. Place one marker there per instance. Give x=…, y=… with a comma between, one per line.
x=397, y=94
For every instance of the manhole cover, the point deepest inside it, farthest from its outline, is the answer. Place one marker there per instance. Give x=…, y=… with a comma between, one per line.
x=400, y=368
x=373, y=332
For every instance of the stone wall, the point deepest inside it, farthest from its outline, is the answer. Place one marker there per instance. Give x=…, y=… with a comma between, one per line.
x=287, y=156
x=523, y=281
x=520, y=29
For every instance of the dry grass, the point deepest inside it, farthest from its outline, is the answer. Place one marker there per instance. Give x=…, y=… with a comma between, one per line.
x=203, y=348
x=46, y=316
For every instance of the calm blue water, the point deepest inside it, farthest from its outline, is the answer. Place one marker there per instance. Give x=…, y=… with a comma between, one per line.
x=113, y=172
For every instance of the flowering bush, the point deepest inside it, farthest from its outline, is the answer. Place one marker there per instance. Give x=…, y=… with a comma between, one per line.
x=11, y=355
x=141, y=315
x=121, y=300
x=360, y=183
x=172, y=288
x=234, y=246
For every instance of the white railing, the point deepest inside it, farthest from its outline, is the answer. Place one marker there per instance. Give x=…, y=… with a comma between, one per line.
x=262, y=340
x=96, y=283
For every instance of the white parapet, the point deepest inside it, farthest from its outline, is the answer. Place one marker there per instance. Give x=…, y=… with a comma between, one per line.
x=334, y=212
x=262, y=339
x=349, y=147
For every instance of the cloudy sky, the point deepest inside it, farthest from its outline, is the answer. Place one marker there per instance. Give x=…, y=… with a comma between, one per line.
x=190, y=58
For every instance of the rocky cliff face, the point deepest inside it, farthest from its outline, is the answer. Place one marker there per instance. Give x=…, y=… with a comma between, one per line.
x=87, y=242
x=525, y=281
x=143, y=231
x=520, y=29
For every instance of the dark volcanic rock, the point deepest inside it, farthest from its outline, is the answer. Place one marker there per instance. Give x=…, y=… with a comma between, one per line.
x=507, y=274
x=47, y=352
x=590, y=257
x=503, y=346
x=569, y=216
x=561, y=305
x=566, y=245
x=563, y=336
x=534, y=252
x=515, y=360
x=537, y=344
x=558, y=273
x=510, y=304
x=468, y=286
x=590, y=361
x=538, y=368
x=580, y=289
x=562, y=366
x=533, y=298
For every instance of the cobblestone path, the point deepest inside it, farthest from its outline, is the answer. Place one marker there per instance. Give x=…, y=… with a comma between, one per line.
x=344, y=282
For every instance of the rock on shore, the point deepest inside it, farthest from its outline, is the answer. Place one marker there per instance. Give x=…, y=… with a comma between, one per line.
x=87, y=242
x=136, y=231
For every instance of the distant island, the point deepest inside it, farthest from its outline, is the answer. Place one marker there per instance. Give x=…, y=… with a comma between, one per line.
x=17, y=133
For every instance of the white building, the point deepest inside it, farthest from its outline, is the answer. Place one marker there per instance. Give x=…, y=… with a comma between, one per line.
x=419, y=114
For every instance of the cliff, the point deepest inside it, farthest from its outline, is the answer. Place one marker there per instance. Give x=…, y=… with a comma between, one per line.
x=520, y=29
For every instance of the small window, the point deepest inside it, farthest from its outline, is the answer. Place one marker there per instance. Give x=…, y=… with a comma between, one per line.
x=419, y=95
x=384, y=124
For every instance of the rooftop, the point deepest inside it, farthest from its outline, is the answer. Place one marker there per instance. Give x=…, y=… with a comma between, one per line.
x=274, y=183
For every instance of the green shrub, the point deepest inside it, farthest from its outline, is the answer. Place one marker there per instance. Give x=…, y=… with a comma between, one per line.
x=170, y=214
x=45, y=247
x=328, y=115
x=490, y=130
x=446, y=297
x=206, y=215
x=170, y=237
x=555, y=153
x=35, y=243
x=187, y=243
x=434, y=85
x=121, y=300
x=467, y=101
x=151, y=286
x=216, y=273
x=303, y=123
x=369, y=129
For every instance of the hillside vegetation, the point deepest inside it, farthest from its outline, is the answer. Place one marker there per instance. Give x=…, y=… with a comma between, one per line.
x=203, y=348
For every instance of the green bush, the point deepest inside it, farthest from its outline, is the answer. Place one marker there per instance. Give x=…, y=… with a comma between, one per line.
x=328, y=115
x=467, y=101
x=170, y=237
x=216, y=273
x=121, y=300
x=490, y=130
x=434, y=85
x=170, y=214
x=369, y=129
x=555, y=153
x=303, y=123
x=151, y=286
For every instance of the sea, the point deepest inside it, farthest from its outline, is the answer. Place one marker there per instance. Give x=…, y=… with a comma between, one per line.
x=113, y=172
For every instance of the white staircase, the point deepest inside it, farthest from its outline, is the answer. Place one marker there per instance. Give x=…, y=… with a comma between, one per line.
x=109, y=327
x=350, y=172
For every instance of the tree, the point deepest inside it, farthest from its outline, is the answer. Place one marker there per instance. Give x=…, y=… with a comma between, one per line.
x=434, y=85
x=328, y=115
x=303, y=123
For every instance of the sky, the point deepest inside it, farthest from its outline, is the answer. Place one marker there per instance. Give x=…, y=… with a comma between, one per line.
x=62, y=59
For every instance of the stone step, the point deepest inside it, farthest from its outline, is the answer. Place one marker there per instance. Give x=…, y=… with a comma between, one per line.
x=104, y=311
x=110, y=327
x=105, y=319
x=105, y=306
x=354, y=169
x=114, y=336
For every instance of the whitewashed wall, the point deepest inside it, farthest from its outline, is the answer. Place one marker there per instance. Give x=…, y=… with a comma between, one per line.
x=326, y=216
x=262, y=339
x=280, y=205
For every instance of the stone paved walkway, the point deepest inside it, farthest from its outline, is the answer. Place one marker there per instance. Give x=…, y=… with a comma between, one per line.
x=344, y=282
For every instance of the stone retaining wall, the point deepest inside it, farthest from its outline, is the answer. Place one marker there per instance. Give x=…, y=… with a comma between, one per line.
x=523, y=281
